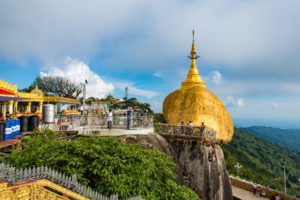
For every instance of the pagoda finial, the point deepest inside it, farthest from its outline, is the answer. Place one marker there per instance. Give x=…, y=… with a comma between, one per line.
x=193, y=77
x=193, y=35
x=193, y=55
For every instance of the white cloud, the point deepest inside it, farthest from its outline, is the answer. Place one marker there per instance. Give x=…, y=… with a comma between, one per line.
x=230, y=101
x=274, y=105
x=157, y=74
x=240, y=102
x=215, y=77
x=256, y=42
x=77, y=72
x=239, y=35
x=234, y=102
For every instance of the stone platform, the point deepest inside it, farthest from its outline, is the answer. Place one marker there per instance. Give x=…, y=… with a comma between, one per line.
x=96, y=131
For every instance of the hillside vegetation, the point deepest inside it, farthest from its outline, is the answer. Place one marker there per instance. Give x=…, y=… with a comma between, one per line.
x=289, y=138
x=261, y=161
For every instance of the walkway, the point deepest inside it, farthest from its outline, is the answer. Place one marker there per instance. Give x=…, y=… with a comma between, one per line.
x=244, y=194
x=246, y=186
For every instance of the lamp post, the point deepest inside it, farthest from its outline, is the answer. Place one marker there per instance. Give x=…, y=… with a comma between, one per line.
x=84, y=94
x=284, y=174
x=238, y=166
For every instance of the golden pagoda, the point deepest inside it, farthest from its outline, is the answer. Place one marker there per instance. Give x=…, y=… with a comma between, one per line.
x=193, y=102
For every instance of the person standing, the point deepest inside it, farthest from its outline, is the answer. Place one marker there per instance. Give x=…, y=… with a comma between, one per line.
x=8, y=116
x=109, y=119
x=191, y=128
x=128, y=118
x=202, y=130
x=181, y=128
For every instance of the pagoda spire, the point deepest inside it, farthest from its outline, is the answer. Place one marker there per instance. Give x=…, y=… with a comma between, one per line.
x=193, y=55
x=193, y=77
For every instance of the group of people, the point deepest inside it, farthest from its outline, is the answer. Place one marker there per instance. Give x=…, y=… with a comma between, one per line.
x=275, y=197
x=260, y=192
x=110, y=119
x=190, y=128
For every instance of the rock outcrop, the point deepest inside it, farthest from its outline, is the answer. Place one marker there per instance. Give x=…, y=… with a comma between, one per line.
x=199, y=166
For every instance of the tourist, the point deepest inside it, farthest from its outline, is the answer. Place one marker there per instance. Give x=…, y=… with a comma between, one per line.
x=277, y=197
x=181, y=127
x=8, y=116
x=263, y=193
x=139, y=119
x=202, y=130
x=109, y=119
x=258, y=191
x=191, y=128
x=128, y=118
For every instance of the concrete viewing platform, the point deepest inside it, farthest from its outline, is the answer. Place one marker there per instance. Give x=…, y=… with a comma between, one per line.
x=98, y=131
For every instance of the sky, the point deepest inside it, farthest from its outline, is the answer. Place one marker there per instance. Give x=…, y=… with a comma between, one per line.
x=249, y=50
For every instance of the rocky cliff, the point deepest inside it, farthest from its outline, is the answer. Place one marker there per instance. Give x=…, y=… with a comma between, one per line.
x=200, y=166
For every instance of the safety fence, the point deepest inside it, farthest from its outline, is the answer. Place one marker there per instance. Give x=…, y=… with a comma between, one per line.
x=47, y=181
x=70, y=123
x=200, y=131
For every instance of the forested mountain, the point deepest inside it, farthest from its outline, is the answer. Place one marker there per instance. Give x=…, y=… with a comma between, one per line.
x=289, y=138
x=261, y=161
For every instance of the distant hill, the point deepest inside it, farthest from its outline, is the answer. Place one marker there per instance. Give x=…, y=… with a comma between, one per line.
x=261, y=161
x=289, y=138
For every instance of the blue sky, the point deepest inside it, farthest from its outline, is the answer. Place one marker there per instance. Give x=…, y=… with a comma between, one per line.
x=249, y=50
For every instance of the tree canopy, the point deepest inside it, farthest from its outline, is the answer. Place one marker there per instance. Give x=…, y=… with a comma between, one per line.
x=58, y=86
x=106, y=164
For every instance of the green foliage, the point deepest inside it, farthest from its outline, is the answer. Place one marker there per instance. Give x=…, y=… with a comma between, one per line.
x=133, y=103
x=159, y=118
x=261, y=161
x=28, y=89
x=105, y=164
x=109, y=97
x=286, y=137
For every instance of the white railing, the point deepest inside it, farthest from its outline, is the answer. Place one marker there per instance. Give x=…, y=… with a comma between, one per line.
x=14, y=175
x=73, y=123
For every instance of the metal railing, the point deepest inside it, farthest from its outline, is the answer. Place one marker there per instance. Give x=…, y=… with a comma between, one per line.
x=73, y=123
x=200, y=131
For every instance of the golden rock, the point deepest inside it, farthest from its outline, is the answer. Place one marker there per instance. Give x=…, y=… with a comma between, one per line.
x=193, y=102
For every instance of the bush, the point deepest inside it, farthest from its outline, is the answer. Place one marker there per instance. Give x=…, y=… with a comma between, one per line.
x=105, y=164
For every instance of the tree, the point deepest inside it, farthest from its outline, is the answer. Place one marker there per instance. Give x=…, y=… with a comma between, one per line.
x=109, y=97
x=106, y=164
x=28, y=89
x=58, y=86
